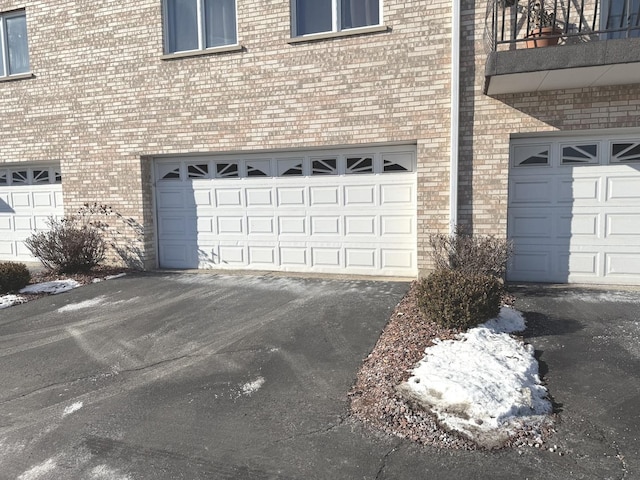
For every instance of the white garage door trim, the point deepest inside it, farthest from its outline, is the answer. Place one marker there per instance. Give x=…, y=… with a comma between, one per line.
x=29, y=195
x=574, y=209
x=330, y=211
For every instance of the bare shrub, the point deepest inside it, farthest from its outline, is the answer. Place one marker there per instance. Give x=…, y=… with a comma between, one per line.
x=71, y=245
x=471, y=254
x=457, y=299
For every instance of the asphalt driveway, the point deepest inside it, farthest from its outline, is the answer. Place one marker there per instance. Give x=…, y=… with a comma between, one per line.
x=178, y=376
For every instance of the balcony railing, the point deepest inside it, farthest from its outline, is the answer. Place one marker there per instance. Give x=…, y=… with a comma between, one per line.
x=515, y=24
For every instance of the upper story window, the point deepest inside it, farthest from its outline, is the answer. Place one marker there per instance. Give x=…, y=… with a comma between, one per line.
x=321, y=16
x=199, y=24
x=14, y=50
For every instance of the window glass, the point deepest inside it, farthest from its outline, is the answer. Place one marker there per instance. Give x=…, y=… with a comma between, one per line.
x=313, y=16
x=618, y=18
x=17, y=44
x=360, y=13
x=220, y=19
x=183, y=25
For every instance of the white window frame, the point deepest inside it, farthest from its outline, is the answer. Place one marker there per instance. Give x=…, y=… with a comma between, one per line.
x=4, y=48
x=336, y=20
x=201, y=31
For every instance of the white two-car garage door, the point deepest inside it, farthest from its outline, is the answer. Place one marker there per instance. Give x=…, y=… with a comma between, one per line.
x=28, y=197
x=574, y=209
x=332, y=211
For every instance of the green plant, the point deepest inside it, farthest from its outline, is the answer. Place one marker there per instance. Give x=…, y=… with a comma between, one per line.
x=470, y=254
x=459, y=300
x=13, y=276
x=71, y=245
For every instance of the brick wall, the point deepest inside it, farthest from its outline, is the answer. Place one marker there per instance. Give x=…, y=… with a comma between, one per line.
x=487, y=123
x=103, y=102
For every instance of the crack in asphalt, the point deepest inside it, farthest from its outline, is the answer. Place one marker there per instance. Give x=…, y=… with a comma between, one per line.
x=341, y=420
x=95, y=377
x=386, y=457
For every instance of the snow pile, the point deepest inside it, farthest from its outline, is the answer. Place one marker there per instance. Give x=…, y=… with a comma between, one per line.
x=54, y=287
x=252, y=387
x=10, y=300
x=72, y=408
x=484, y=384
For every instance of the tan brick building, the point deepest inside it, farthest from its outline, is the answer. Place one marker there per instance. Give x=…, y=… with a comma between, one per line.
x=314, y=136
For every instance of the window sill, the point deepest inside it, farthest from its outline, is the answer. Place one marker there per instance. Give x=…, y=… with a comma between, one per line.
x=199, y=53
x=343, y=33
x=20, y=76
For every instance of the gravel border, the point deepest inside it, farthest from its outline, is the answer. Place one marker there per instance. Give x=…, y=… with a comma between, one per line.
x=401, y=345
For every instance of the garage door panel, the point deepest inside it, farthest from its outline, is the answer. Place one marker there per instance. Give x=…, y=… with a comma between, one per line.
x=230, y=225
x=396, y=258
x=324, y=196
x=530, y=190
x=623, y=265
x=360, y=195
x=262, y=256
x=231, y=197
x=202, y=198
x=290, y=225
x=396, y=225
x=293, y=256
x=291, y=197
x=258, y=225
x=20, y=200
x=23, y=223
x=232, y=255
x=295, y=220
x=578, y=225
x=360, y=258
x=581, y=263
x=326, y=257
x=624, y=225
x=527, y=224
x=396, y=194
x=259, y=197
x=579, y=190
x=43, y=199
x=41, y=222
x=170, y=199
x=530, y=265
x=325, y=225
x=360, y=225
x=6, y=249
x=5, y=225
x=624, y=187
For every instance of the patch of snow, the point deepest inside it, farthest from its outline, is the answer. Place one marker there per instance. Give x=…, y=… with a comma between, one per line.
x=252, y=387
x=10, y=300
x=54, y=287
x=72, y=408
x=36, y=472
x=103, y=472
x=113, y=277
x=509, y=320
x=96, y=280
x=93, y=302
x=483, y=384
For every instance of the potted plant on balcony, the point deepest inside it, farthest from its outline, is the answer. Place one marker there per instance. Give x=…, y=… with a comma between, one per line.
x=544, y=30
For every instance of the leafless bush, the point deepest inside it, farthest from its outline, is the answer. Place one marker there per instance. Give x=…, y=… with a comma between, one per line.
x=71, y=245
x=471, y=254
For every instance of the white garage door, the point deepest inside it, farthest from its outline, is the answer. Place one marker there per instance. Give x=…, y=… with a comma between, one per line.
x=574, y=210
x=28, y=197
x=340, y=211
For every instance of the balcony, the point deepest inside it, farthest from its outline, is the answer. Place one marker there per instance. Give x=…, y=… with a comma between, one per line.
x=536, y=45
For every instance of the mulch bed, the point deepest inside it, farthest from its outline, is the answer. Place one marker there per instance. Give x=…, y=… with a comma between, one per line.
x=376, y=403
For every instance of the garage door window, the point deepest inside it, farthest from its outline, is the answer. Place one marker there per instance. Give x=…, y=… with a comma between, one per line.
x=583, y=154
x=314, y=166
x=531, y=155
x=625, y=152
